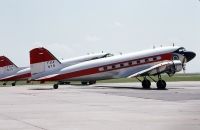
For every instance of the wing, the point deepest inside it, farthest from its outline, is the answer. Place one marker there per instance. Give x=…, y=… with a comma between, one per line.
x=169, y=67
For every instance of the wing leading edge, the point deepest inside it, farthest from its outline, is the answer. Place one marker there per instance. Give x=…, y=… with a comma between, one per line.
x=169, y=67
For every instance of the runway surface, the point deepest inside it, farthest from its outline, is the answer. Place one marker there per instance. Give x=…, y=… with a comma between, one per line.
x=117, y=106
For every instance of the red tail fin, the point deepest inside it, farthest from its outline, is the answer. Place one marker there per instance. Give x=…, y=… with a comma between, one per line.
x=38, y=55
x=41, y=60
x=4, y=61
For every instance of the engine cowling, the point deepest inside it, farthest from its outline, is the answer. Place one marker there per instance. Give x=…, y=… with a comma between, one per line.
x=176, y=66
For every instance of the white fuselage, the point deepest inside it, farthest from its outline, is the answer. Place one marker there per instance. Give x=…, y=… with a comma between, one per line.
x=52, y=67
x=113, y=67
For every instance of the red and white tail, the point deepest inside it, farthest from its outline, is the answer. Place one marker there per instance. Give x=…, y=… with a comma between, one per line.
x=6, y=65
x=42, y=61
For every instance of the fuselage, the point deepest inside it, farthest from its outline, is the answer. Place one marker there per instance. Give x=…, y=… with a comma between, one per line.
x=21, y=73
x=113, y=67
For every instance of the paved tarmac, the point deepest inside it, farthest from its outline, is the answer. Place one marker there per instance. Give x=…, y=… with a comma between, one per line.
x=113, y=106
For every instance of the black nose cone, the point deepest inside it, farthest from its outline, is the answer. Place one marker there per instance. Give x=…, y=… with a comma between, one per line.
x=189, y=55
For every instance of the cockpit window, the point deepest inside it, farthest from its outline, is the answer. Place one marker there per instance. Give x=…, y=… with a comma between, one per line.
x=108, y=55
x=180, y=50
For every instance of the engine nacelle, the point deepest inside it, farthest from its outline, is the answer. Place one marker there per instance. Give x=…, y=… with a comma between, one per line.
x=176, y=66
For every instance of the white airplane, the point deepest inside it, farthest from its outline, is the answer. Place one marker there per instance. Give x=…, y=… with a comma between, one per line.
x=45, y=67
x=10, y=72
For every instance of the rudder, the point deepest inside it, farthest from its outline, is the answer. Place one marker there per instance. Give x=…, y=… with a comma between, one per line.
x=41, y=60
x=6, y=65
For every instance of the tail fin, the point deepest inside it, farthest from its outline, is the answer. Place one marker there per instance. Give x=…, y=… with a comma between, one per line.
x=6, y=65
x=41, y=60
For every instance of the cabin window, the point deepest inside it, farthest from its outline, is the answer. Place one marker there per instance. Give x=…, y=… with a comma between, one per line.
x=134, y=62
x=109, y=67
x=142, y=61
x=117, y=66
x=150, y=59
x=101, y=69
x=125, y=64
x=158, y=58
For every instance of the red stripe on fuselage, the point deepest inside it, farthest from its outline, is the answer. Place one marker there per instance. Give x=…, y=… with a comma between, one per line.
x=95, y=70
x=18, y=77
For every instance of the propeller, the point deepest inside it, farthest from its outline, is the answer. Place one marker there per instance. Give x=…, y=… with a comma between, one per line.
x=184, y=64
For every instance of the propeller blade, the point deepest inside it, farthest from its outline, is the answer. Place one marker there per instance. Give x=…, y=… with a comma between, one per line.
x=184, y=64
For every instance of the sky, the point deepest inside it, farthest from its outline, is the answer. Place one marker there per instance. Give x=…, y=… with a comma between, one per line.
x=70, y=28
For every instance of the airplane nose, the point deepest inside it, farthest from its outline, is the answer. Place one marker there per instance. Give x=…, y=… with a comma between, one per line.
x=189, y=55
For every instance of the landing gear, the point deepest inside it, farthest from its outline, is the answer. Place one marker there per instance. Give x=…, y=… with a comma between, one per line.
x=161, y=84
x=63, y=82
x=4, y=84
x=55, y=86
x=146, y=84
x=67, y=83
x=92, y=82
x=84, y=83
x=13, y=84
x=28, y=81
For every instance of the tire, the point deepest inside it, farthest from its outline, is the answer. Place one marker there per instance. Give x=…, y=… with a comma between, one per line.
x=13, y=84
x=84, y=83
x=92, y=82
x=146, y=84
x=67, y=82
x=28, y=81
x=161, y=85
x=55, y=86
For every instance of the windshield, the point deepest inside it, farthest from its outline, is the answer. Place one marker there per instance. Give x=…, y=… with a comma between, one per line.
x=180, y=50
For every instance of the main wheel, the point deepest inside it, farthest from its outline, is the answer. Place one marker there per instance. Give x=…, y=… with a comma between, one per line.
x=161, y=84
x=13, y=84
x=84, y=83
x=146, y=84
x=92, y=82
x=28, y=81
x=67, y=82
x=4, y=84
x=55, y=86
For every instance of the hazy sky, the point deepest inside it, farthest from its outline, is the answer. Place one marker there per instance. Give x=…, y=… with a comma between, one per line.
x=70, y=28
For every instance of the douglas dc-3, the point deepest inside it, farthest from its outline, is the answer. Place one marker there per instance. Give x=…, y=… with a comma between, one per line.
x=10, y=72
x=148, y=63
